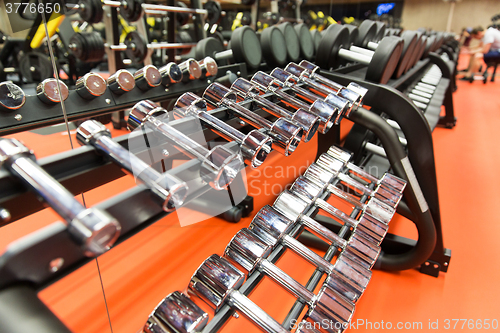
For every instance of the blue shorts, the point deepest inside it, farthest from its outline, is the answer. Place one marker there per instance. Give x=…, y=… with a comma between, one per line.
x=492, y=56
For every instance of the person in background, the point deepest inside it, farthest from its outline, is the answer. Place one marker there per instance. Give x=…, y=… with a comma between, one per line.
x=488, y=50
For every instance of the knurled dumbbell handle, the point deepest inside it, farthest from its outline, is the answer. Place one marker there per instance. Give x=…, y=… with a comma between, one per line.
x=255, y=314
x=306, y=253
x=324, y=232
x=128, y=160
x=178, y=138
x=251, y=117
x=286, y=281
x=57, y=197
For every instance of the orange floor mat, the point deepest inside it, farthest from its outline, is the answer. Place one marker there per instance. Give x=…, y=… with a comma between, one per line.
x=138, y=273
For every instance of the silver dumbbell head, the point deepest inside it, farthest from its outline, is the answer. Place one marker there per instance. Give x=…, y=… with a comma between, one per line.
x=96, y=230
x=349, y=278
x=90, y=85
x=11, y=149
x=147, y=77
x=90, y=130
x=121, y=82
x=178, y=314
x=220, y=167
x=170, y=74
x=190, y=69
x=142, y=111
x=245, y=88
x=48, y=91
x=269, y=225
x=286, y=135
x=284, y=76
x=247, y=250
x=153, y=325
x=12, y=97
x=214, y=280
x=290, y=205
x=255, y=145
x=208, y=66
x=332, y=305
x=265, y=81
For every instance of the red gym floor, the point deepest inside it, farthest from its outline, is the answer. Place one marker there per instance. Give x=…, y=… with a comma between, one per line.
x=138, y=273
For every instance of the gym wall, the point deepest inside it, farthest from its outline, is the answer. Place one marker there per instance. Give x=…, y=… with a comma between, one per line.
x=434, y=14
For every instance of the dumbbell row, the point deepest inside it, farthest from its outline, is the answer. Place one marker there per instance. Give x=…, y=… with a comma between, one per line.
x=217, y=280
x=93, y=85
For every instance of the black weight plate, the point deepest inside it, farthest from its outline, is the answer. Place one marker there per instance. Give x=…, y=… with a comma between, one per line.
x=428, y=45
x=335, y=37
x=316, y=38
x=385, y=59
x=214, y=11
x=439, y=41
x=306, y=41
x=353, y=33
x=292, y=41
x=35, y=67
x=246, y=47
x=273, y=47
x=137, y=48
x=422, y=48
x=409, y=42
x=131, y=10
x=366, y=33
x=92, y=11
x=182, y=18
x=415, y=51
x=208, y=47
x=381, y=27
x=412, y=41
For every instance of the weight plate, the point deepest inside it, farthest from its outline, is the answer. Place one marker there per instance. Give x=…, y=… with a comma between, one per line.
x=366, y=33
x=439, y=41
x=88, y=46
x=246, y=47
x=410, y=40
x=306, y=41
x=273, y=47
x=335, y=37
x=385, y=59
x=316, y=38
x=428, y=45
x=415, y=51
x=35, y=67
x=208, y=47
x=214, y=11
x=381, y=27
x=182, y=18
x=91, y=11
x=137, y=48
x=422, y=48
x=353, y=33
x=131, y=10
x=292, y=41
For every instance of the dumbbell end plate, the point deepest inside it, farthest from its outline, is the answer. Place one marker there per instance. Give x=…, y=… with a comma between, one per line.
x=255, y=148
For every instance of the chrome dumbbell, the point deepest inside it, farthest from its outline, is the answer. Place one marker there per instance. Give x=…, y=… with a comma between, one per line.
x=147, y=77
x=326, y=113
x=273, y=228
x=219, y=166
x=208, y=67
x=12, y=97
x=353, y=92
x=93, y=229
x=331, y=168
x=90, y=86
x=389, y=181
x=285, y=134
x=364, y=251
x=176, y=313
x=373, y=206
x=121, y=82
x=170, y=73
x=249, y=252
x=170, y=190
x=217, y=281
x=291, y=81
x=369, y=227
x=308, y=121
x=48, y=91
x=255, y=146
x=190, y=70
